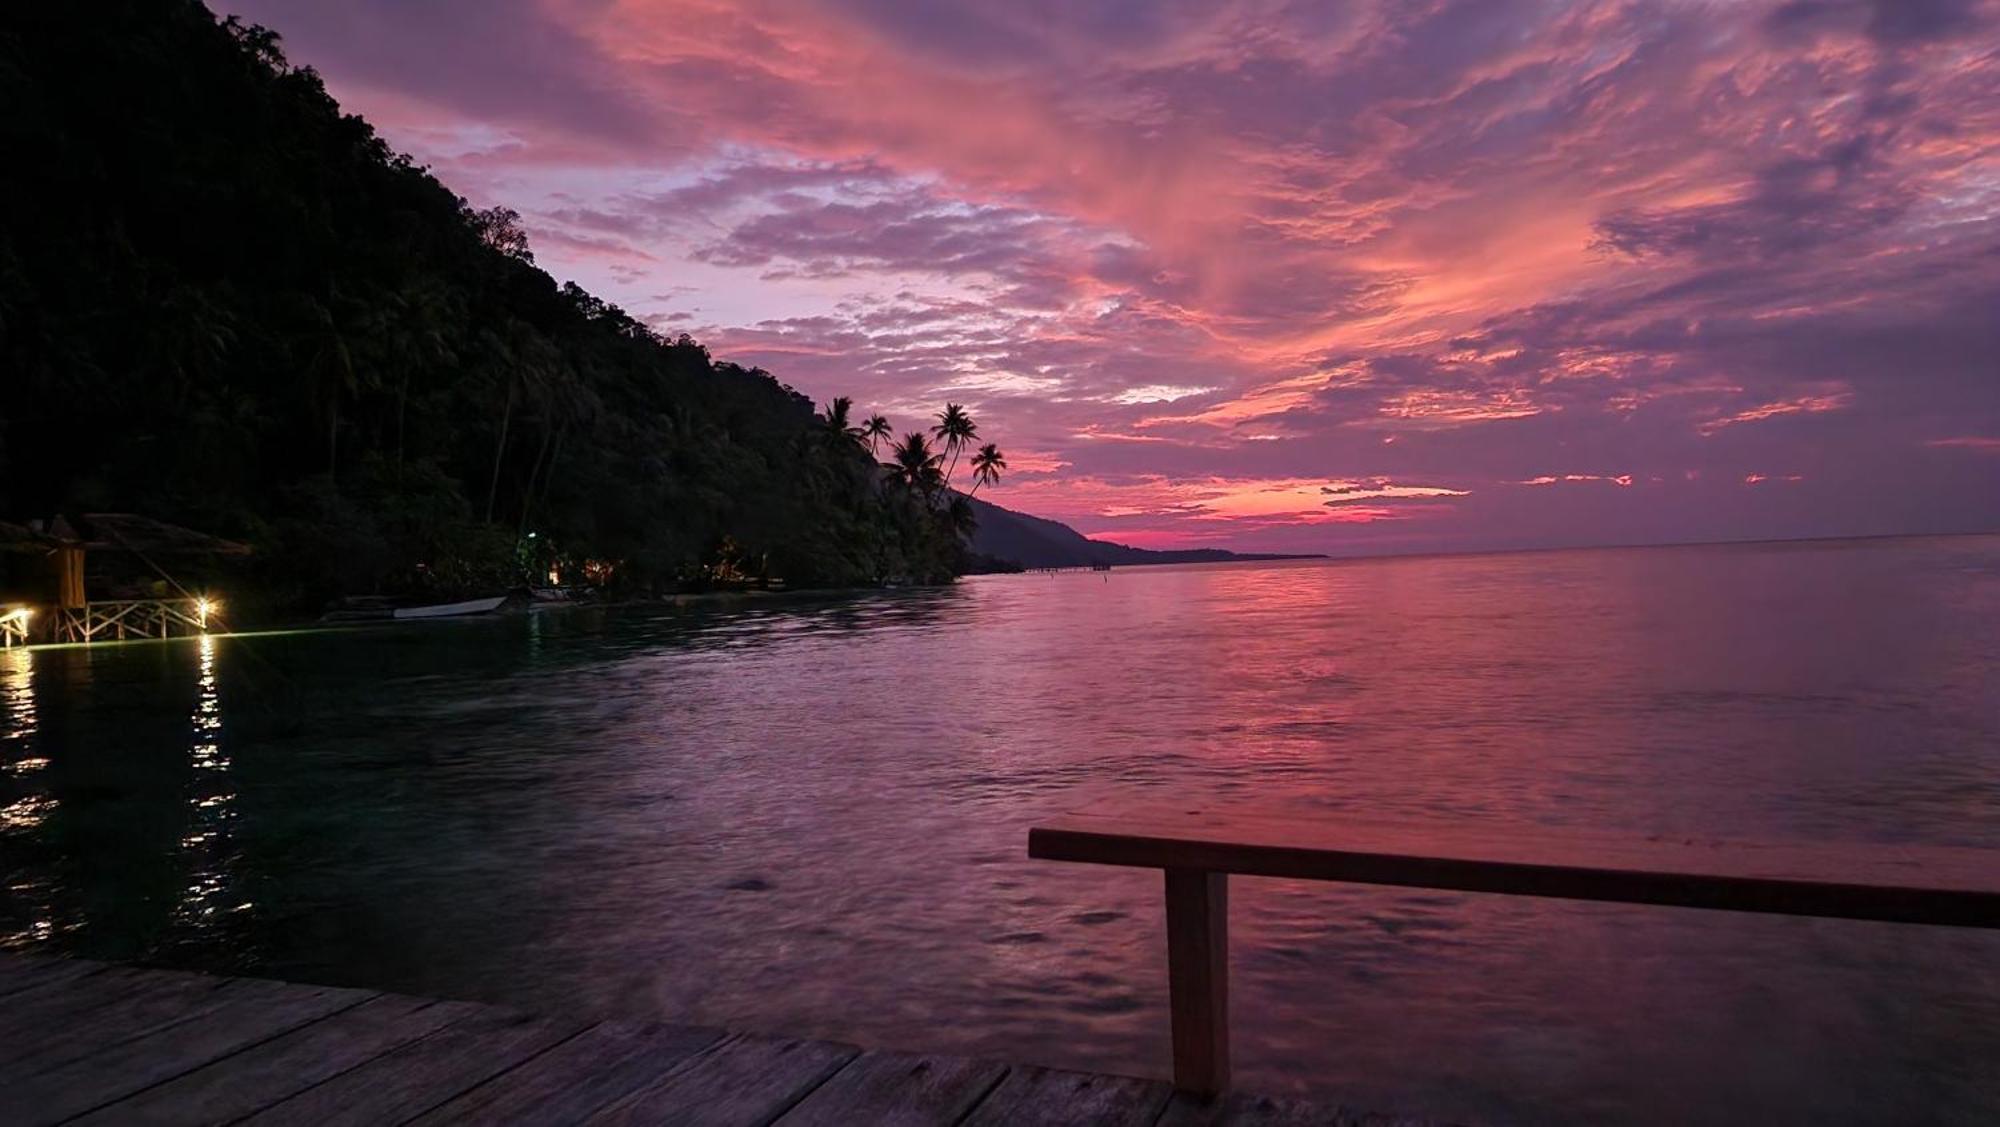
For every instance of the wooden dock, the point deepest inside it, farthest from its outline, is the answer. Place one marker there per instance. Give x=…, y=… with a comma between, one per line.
x=94, y=1043
x=1198, y=851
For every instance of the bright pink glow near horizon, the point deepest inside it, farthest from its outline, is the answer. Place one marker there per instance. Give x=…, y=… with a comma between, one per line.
x=1345, y=277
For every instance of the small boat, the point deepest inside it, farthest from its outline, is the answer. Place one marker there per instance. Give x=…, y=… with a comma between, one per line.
x=452, y=610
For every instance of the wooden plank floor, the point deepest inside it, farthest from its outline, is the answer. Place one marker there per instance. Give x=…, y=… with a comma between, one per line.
x=93, y=1043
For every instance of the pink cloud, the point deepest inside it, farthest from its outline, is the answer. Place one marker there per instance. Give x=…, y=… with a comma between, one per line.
x=1623, y=480
x=1186, y=272
x=1803, y=404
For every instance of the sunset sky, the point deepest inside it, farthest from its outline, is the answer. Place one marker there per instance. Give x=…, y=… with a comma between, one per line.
x=1346, y=277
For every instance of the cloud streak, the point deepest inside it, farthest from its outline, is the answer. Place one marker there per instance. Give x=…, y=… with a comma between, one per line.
x=1579, y=271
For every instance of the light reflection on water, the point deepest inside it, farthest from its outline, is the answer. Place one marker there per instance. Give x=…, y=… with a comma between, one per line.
x=211, y=802
x=810, y=818
x=17, y=712
x=23, y=813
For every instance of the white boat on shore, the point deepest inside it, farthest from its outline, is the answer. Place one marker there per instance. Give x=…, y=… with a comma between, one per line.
x=452, y=610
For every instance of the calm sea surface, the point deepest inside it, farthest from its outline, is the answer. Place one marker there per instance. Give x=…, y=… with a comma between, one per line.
x=811, y=817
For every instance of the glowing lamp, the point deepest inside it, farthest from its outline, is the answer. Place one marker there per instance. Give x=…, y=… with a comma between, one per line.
x=14, y=625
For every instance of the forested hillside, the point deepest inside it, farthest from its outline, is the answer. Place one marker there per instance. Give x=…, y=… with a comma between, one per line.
x=1030, y=541
x=224, y=303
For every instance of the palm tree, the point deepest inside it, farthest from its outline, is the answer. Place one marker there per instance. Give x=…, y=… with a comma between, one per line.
x=914, y=465
x=525, y=362
x=956, y=429
x=986, y=466
x=836, y=420
x=417, y=343
x=564, y=401
x=960, y=518
x=332, y=371
x=875, y=430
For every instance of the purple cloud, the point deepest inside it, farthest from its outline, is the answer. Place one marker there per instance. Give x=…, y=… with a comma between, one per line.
x=1585, y=271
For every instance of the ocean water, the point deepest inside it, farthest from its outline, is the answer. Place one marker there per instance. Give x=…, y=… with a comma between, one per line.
x=809, y=816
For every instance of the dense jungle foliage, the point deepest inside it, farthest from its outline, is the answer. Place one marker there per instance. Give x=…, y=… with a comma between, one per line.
x=226, y=304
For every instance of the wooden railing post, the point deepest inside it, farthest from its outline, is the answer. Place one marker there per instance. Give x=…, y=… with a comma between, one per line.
x=1198, y=978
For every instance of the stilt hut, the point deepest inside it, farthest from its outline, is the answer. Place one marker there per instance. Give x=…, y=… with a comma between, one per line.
x=22, y=581
x=105, y=576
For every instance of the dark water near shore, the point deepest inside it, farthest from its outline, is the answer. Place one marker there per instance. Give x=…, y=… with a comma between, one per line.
x=810, y=818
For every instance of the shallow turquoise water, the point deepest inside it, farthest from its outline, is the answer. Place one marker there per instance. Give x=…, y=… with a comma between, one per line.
x=810, y=817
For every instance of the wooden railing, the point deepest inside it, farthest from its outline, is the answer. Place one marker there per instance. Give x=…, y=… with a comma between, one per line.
x=1198, y=851
x=133, y=618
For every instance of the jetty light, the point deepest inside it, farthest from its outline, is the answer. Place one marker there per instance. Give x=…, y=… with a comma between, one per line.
x=17, y=614
x=205, y=606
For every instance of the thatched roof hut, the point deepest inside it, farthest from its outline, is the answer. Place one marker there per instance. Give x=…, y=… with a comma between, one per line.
x=131, y=532
x=48, y=557
x=21, y=538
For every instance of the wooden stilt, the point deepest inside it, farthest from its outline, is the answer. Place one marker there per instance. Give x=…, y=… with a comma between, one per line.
x=1198, y=978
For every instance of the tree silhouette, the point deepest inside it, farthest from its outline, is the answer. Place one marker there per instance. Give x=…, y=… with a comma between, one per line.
x=315, y=346
x=915, y=466
x=955, y=428
x=875, y=430
x=838, y=428
x=987, y=465
x=961, y=517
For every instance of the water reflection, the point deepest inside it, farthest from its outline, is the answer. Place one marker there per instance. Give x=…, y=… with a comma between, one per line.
x=808, y=817
x=27, y=808
x=17, y=714
x=207, y=843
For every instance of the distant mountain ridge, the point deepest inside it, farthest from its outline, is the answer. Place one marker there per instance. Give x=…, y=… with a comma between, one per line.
x=1030, y=541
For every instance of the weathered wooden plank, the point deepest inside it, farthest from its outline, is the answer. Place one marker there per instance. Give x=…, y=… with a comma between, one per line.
x=747, y=1081
x=1237, y=1110
x=255, y=1011
x=301, y=1054
x=244, y=1083
x=1896, y=883
x=1198, y=978
x=78, y=996
x=20, y=973
x=425, y=1073
x=577, y=1078
x=1048, y=1097
x=48, y=1030
x=897, y=1090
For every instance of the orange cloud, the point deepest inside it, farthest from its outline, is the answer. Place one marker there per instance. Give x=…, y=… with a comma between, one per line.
x=1803, y=404
x=1179, y=290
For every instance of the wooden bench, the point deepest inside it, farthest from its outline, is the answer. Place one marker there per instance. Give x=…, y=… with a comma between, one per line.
x=1198, y=850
